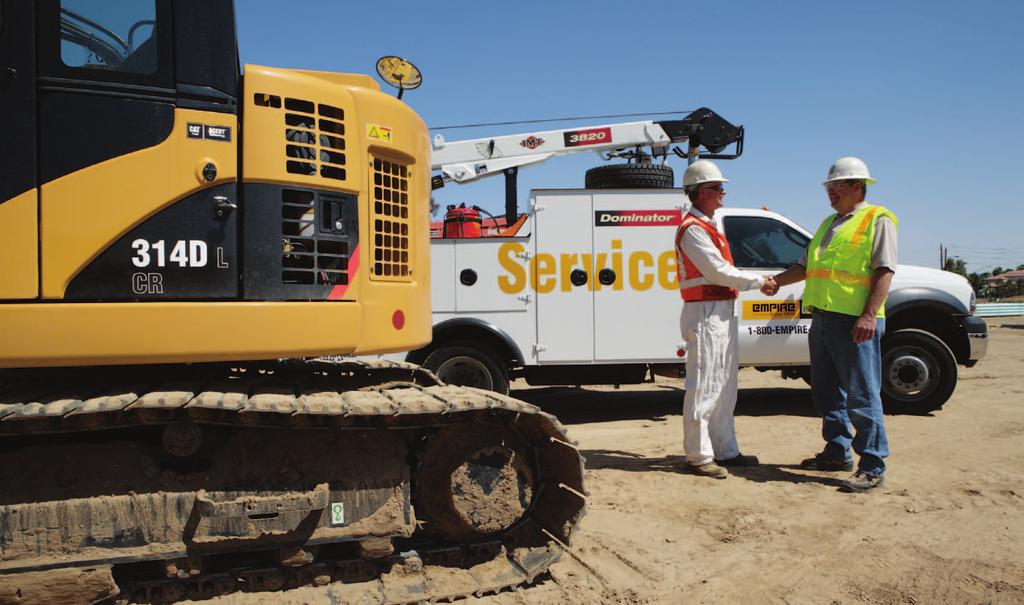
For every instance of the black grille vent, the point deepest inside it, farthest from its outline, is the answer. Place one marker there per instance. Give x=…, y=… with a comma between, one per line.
x=312, y=251
x=315, y=139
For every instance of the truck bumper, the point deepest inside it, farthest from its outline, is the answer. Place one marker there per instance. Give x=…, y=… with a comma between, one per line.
x=977, y=336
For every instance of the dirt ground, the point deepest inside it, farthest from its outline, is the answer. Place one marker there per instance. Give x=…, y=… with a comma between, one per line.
x=948, y=526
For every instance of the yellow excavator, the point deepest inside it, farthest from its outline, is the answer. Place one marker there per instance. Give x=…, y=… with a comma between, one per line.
x=180, y=245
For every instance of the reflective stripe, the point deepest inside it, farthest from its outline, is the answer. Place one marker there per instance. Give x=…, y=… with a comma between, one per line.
x=862, y=228
x=842, y=277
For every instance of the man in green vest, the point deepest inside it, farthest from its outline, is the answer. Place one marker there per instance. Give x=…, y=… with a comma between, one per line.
x=848, y=267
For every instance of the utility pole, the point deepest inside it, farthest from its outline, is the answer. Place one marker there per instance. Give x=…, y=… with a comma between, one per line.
x=942, y=256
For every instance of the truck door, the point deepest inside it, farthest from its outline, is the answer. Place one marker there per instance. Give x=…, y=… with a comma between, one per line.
x=636, y=293
x=565, y=304
x=19, y=245
x=772, y=330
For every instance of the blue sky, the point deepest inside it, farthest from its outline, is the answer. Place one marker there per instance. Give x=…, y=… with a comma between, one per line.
x=930, y=94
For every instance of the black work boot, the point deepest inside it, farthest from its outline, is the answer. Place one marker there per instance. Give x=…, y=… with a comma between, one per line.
x=821, y=462
x=739, y=460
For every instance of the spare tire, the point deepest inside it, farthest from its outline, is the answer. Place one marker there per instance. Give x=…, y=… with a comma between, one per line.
x=630, y=176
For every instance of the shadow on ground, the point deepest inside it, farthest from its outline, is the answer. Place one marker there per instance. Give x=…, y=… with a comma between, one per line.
x=582, y=405
x=763, y=473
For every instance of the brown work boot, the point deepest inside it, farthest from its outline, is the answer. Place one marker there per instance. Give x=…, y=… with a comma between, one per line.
x=708, y=469
x=862, y=482
x=739, y=460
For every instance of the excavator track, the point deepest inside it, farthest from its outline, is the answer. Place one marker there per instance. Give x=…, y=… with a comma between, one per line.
x=160, y=484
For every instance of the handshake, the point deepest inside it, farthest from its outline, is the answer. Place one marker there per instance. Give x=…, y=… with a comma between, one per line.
x=770, y=287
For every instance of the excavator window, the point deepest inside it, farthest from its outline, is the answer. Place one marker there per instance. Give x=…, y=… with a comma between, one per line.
x=112, y=36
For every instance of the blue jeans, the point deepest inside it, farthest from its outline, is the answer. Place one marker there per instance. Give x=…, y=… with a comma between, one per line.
x=846, y=388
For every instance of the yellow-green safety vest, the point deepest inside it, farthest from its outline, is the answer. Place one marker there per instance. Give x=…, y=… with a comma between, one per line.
x=839, y=277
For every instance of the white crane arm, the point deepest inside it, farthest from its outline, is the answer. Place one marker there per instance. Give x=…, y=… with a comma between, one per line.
x=463, y=161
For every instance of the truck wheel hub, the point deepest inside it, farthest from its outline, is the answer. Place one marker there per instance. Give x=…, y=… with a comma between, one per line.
x=908, y=374
x=465, y=371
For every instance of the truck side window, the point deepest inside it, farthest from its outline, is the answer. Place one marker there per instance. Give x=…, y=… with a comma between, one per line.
x=111, y=36
x=759, y=242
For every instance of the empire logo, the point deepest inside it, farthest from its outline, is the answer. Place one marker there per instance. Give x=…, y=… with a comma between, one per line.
x=532, y=142
x=637, y=218
x=772, y=309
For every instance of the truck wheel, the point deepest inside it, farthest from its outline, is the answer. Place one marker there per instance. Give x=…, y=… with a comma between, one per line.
x=469, y=365
x=918, y=372
x=629, y=176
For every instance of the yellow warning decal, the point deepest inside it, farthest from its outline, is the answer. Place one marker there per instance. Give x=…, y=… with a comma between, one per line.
x=378, y=132
x=771, y=309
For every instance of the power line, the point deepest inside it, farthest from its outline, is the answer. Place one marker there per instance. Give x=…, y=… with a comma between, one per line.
x=570, y=119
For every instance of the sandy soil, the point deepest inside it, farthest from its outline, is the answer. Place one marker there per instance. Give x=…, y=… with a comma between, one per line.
x=948, y=526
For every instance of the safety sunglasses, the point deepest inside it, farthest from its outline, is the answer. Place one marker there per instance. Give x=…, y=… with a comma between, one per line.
x=719, y=187
x=838, y=184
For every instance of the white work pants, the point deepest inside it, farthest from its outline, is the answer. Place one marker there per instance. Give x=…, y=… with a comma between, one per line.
x=709, y=329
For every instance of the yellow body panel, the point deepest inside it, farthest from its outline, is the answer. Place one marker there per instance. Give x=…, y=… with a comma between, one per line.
x=87, y=210
x=264, y=161
x=19, y=247
x=157, y=332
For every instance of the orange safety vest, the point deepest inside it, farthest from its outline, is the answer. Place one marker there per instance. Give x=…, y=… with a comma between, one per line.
x=692, y=285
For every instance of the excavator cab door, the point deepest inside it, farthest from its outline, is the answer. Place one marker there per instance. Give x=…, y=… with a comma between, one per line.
x=19, y=243
x=138, y=149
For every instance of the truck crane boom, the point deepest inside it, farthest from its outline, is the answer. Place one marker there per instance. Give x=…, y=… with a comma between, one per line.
x=472, y=159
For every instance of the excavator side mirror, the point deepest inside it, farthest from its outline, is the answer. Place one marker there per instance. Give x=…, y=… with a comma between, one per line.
x=399, y=73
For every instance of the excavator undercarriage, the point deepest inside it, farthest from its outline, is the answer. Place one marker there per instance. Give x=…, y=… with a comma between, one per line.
x=205, y=480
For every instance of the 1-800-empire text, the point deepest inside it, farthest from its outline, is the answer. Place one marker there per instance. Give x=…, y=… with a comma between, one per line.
x=783, y=329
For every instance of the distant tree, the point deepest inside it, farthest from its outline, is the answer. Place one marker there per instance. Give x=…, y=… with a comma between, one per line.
x=955, y=264
x=977, y=281
x=434, y=206
x=1020, y=267
x=998, y=270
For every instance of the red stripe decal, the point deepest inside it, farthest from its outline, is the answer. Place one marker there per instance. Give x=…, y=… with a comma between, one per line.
x=338, y=292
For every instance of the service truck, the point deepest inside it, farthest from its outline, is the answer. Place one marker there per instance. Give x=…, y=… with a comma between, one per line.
x=583, y=289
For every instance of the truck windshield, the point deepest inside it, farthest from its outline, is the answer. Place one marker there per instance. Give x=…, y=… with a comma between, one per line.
x=759, y=242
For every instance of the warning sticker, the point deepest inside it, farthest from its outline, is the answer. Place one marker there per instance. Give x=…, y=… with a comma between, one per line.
x=338, y=513
x=771, y=309
x=378, y=133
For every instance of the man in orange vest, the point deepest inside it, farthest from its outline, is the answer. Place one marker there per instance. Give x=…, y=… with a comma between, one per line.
x=709, y=284
x=848, y=267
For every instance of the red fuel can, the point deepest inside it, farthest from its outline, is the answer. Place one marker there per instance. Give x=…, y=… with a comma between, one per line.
x=461, y=222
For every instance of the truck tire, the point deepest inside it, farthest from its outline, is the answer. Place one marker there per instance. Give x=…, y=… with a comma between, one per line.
x=918, y=372
x=470, y=365
x=630, y=176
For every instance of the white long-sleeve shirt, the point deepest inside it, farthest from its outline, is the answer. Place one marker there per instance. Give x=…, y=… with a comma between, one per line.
x=696, y=244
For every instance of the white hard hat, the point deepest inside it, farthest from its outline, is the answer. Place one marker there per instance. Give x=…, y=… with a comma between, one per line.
x=849, y=168
x=702, y=171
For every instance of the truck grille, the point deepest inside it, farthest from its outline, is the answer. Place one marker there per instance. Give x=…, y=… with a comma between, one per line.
x=389, y=214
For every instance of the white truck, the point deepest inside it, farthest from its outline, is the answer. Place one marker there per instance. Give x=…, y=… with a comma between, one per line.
x=583, y=289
